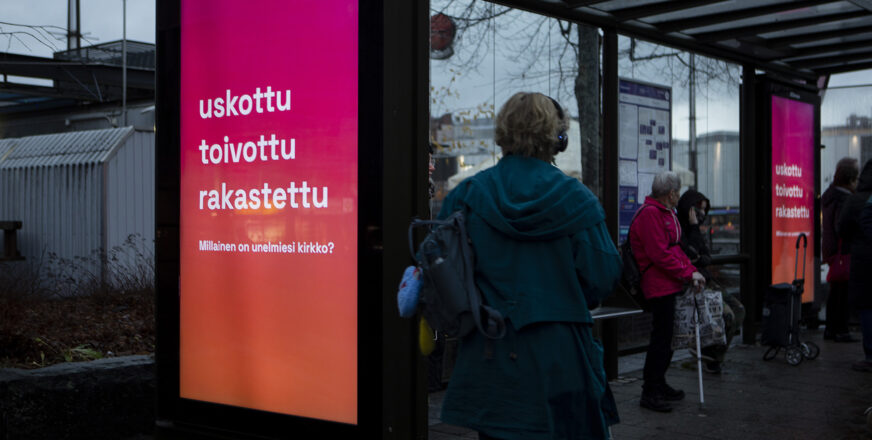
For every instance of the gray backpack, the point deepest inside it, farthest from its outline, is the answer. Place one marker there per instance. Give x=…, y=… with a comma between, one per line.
x=449, y=299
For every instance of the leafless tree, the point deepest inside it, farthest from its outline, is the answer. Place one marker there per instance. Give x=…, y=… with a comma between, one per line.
x=573, y=66
x=44, y=35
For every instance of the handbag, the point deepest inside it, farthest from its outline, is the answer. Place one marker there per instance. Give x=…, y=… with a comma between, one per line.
x=840, y=266
x=705, y=309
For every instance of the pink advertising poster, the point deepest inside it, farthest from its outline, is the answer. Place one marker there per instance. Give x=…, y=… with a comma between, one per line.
x=793, y=177
x=269, y=193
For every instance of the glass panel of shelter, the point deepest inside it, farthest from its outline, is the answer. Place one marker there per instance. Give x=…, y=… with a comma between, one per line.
x=846, y=126
x=700, y=143
x=496, y=52
x=710, y=162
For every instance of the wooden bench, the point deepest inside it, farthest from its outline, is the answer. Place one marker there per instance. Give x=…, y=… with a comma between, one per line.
x=607, y=316
x=10, y=241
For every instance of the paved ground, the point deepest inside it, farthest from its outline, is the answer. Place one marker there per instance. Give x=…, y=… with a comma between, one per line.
x=752, y=399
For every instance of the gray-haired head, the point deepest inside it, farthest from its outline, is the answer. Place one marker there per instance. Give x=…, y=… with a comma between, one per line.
x=664, y=183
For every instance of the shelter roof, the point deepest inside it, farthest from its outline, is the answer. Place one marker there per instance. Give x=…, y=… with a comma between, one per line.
x=71, y=148
x=804, y=39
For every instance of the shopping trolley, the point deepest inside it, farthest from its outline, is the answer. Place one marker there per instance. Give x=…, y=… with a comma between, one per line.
x=782, y=308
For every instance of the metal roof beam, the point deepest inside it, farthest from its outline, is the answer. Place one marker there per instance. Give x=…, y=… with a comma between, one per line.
x=744, y=31
x=805, y=52
x=6, y=56
x=844, y=68
x=776, y=43
x=136, y=78
x=653, y=34
x=580, y=3
x=728, y=16
x=51, y=92
x=636, y=12
x=867, y=4
x=837, y=59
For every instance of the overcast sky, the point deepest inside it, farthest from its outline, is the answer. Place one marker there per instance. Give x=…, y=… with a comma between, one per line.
x=101, y=21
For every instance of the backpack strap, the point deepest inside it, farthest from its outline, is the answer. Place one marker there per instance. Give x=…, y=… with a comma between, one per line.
x=496, y=326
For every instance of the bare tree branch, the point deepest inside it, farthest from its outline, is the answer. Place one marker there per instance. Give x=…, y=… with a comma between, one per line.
x=43, y=34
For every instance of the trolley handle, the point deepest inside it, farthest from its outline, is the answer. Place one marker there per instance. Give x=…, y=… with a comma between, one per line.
x=804, y=239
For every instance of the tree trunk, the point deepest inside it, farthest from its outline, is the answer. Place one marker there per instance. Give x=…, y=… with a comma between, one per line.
x=587, y=94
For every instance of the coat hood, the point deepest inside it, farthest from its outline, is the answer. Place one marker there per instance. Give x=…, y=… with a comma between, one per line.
x=865, y=184
x=688, y=199
x=529, y=199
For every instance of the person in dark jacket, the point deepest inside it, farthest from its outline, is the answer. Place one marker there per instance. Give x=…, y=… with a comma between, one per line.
x=543, y=258
x=838, y=309
x=655, y=236
x=866, y=218
x=859, y=244
x=693, y=208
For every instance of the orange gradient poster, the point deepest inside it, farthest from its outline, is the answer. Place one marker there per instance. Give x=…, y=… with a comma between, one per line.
x=793, y=177
x=269, y=191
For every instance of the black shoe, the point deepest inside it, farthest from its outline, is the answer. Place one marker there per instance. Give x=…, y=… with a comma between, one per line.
x=845, y=337
x=670, y=394
x=654, y=403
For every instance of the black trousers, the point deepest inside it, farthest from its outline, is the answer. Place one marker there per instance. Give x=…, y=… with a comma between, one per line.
x=660, y=348
x=838, y=310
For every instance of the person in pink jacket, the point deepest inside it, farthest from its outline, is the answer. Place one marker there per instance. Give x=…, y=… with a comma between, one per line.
x=655, y=237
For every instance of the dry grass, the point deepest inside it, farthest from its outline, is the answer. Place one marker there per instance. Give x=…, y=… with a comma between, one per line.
x=55, y=310
x=40, y=332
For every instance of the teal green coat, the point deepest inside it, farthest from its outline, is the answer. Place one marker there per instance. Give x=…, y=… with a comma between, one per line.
x=543, y=258
x=542, y=250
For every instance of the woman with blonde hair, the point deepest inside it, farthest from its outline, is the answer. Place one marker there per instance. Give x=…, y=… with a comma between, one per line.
x=543, y=258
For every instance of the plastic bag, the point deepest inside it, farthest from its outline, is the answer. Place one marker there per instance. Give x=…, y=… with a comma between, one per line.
x=712, y=330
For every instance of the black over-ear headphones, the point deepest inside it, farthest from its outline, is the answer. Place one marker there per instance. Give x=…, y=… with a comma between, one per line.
x=562, y=138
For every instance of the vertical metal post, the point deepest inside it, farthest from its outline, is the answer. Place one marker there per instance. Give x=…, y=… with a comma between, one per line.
x=402, y=149
x=73, y=25
x=748, y=202
x=694, y=165
x=124, y=62
x=610, y=131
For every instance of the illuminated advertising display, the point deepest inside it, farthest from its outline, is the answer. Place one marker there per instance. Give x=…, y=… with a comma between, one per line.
x=793, y=189
x=269, y=206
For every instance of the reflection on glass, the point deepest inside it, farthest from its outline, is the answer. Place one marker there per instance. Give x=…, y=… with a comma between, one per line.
x=704, y=144
x=726, y=277
x=846, y=128
x=496, y=52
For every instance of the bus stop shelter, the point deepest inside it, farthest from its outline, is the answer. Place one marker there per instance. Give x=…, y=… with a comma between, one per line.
x=276, y=306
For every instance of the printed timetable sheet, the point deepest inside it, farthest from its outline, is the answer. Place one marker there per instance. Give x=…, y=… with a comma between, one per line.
x=644, y=143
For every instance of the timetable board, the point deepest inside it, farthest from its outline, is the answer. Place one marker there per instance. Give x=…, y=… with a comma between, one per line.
x=644, y=144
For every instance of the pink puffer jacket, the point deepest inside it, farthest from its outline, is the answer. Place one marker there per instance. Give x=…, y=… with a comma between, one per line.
x=655, y=237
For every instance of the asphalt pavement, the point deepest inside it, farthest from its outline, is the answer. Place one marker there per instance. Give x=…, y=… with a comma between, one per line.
x=751, y=399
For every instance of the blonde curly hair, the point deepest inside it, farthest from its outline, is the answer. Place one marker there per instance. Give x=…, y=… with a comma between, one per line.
x=528, y=124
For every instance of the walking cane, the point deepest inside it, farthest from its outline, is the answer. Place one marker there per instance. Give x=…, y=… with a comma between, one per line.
x=698, y=352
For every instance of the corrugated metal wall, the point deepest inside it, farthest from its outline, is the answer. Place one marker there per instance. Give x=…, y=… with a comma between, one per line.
x=79, y=193
x=130, y=200
x=59, y=207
